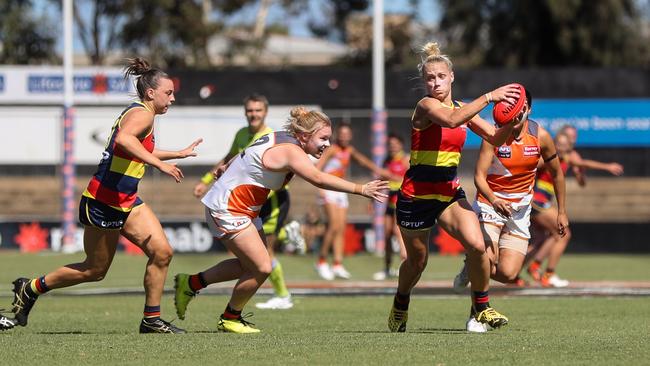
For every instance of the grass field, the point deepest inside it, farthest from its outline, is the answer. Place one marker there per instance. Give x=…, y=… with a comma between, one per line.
x=332, y=330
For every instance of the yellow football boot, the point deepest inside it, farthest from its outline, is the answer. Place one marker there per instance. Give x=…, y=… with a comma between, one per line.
x=238, y=325
x=397, y=320
x=491, y=317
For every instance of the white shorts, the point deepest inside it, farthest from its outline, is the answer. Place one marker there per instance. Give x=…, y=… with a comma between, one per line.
x=223, y=224
x=516, y=225
x=339, y=199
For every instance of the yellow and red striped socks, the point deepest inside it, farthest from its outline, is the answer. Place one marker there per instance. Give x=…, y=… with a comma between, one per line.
x=37, y=286
x=481, y=300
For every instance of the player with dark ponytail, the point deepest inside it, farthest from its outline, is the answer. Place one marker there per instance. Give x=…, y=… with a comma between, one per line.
x=110, y=204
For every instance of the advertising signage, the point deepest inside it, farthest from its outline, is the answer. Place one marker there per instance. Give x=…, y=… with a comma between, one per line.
x=600, y=122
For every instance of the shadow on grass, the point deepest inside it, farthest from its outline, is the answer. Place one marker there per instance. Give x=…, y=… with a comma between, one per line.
x=203, y=331
x=421, y=330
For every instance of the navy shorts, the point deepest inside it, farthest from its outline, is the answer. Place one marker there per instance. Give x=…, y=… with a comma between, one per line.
x=97, y=214
x=414, y=214
x=391, y=205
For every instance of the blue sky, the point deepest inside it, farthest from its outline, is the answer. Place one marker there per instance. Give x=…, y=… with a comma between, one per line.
x=428, y=13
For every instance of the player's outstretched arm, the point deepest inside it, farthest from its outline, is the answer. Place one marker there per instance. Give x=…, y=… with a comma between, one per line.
x=295, y=159
x=180, y=154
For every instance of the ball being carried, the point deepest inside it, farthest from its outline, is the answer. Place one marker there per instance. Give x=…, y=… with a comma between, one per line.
x=505, y=112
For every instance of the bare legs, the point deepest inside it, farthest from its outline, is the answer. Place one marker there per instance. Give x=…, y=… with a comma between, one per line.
x=334, y=235
x=252, y=266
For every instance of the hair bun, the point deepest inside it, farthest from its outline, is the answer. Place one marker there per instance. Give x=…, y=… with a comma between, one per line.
x=298, y=112
x=431, y=49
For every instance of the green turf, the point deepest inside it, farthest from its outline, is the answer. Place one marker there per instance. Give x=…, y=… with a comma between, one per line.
x=330, y=330
x=127, y=270
x=336, y=330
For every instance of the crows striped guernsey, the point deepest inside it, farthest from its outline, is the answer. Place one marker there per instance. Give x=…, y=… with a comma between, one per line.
x=435, y=155
x=116, y=181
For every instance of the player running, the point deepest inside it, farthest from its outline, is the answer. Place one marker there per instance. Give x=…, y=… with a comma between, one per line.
x=234, y=201
x=504, y=178
x=110, y=205
x=336, y=161
x=431, y=191
x=396, y=163
x=274, y=211
x=546, y=244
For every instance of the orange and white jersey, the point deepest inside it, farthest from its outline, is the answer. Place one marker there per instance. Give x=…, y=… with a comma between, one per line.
x=511, y=176
x=243, y=188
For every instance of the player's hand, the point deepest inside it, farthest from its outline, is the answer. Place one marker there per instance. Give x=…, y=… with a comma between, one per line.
x=189, y=151
x=199, y=189
x=615, y=169
x=509, y=93
x=502, y=207
x=173, y=170
x=562, y=224
x=219, y=171
x=376, y=190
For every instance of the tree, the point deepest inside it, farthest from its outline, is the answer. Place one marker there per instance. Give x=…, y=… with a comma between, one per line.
x=398, y=37
x=334, y=15
x=23, y=38
x=99, y=34
x=544, y=33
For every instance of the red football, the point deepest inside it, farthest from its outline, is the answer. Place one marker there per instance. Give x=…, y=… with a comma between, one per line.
x=504, y=112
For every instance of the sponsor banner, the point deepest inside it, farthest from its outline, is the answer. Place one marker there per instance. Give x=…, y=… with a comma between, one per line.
x=600, y=122
x=184, y=237
x=38, y=236
x=44, y=85
x=32, y=135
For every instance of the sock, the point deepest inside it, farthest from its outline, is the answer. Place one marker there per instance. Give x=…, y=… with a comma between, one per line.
x=550, y=271
x=197, y=282
x=277, y=279
x=151, y=313
x=534, y=266
x=337, y=263
x=37, y=287
x=322, y=260
x=401, y=301
x=481, y=300
x=282, y=235
x=231, y=313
